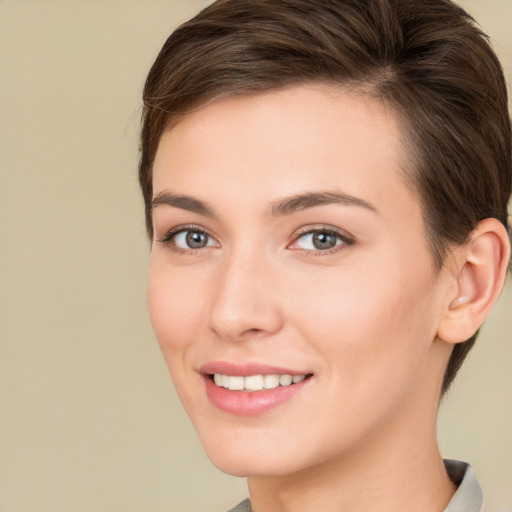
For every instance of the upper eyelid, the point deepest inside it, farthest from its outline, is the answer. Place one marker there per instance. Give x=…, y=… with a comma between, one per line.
x=305, y=230
x=179, y=229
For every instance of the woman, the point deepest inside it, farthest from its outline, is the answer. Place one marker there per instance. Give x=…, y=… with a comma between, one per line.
x=326, y=188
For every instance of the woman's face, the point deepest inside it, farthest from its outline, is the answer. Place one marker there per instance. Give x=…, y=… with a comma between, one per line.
x=288, y=247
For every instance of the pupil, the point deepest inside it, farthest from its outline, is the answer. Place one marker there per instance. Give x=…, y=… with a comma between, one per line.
x=324, y=241
x=196, y=240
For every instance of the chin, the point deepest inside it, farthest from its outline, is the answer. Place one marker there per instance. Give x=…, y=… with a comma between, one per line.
x=259, y=465
x=244, y=454
x=236, y=458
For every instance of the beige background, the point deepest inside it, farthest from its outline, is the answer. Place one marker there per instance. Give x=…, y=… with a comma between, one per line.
x=89, y=420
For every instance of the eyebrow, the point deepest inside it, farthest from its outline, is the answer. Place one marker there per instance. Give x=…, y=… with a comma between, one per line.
x=279, y=208
x=307, y=200
x=188, y=203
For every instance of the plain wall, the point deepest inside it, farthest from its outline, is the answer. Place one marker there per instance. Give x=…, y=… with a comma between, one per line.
x=89, y=419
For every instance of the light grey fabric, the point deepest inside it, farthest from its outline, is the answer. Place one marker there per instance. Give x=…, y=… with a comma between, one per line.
x=244, y=506
x=468, y=497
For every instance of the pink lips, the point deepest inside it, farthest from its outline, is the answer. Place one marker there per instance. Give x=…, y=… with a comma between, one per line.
x=245, y=370
x=248, y=403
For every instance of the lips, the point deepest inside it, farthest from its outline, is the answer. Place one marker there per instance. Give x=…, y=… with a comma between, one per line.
x=251, y=389
x=246, y=369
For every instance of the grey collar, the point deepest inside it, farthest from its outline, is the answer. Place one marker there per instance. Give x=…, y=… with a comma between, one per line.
x=469, y=496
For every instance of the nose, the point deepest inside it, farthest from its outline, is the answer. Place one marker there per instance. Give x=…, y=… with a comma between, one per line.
x=245, y=302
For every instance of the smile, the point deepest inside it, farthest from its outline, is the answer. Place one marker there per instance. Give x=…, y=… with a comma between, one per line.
x=255, y=382
x=251, y=389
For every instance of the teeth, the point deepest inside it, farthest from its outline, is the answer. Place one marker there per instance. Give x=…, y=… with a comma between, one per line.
x=255, y=382
x=271, y=381
x=236, y=383
x=285, y=380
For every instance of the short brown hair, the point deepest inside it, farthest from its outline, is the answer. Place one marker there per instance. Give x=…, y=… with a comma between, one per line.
x=425, y=58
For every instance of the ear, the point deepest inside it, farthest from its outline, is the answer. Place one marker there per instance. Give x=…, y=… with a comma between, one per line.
x=479, y=272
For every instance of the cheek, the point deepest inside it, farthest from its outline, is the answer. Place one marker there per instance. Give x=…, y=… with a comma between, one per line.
x=372, y=324
x=175, y=306
x=176, y=314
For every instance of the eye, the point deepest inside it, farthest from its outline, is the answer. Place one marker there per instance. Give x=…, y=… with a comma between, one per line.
x=320, y=240
x=188, y=239
x=192, y=240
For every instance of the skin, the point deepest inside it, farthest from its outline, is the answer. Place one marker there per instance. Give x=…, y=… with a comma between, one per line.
x=363, y=317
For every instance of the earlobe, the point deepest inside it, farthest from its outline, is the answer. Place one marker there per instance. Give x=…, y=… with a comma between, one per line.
x=479, y=274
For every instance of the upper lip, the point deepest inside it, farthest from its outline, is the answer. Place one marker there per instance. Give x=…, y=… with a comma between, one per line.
x=246, y=369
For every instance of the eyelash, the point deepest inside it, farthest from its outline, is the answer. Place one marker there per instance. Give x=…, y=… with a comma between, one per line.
x=167, y=240
x=343, y=237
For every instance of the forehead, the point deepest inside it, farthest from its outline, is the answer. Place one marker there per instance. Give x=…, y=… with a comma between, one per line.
x=309, y=136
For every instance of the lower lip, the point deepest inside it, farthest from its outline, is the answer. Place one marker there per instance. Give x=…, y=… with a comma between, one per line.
x=250, y=403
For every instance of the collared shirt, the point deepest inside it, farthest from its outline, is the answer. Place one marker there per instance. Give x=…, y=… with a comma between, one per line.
x=468, y=497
